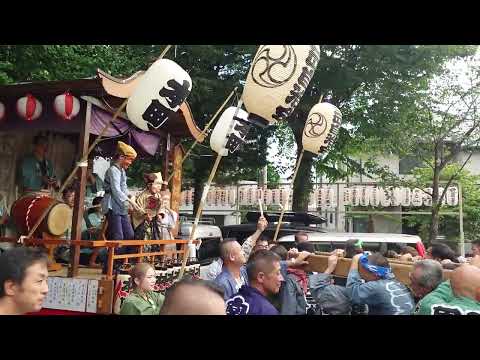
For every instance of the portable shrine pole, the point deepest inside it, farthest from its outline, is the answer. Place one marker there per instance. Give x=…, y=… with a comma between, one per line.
x=284, y=208
x=84, y=158
x=199, y=213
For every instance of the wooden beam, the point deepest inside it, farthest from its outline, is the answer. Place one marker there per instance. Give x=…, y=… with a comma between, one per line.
x=177, y=184
x=80, y=194
x=401, y=269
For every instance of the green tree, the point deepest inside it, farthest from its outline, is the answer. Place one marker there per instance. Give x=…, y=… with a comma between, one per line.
x=440, y=128
x=372, y=85
x=449, y=224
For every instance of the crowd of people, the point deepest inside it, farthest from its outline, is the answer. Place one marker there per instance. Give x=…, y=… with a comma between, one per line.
x=256, y=277
x=260, y=278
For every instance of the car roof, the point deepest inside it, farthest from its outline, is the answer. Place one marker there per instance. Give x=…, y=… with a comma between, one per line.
x=365, y=237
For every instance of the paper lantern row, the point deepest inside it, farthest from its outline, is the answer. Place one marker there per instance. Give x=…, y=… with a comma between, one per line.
x=368, y=196
x=30, y=108
x=325, y=197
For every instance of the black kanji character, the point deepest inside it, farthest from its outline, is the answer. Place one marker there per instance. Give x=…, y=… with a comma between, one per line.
x=156, y=114
x=177, y=94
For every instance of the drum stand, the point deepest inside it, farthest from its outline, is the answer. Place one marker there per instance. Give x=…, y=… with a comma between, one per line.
x=52, y=264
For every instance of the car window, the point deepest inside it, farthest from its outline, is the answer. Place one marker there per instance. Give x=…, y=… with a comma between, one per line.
x=209, y=249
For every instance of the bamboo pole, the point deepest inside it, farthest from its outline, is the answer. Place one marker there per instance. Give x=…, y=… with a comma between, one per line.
x=204, y=131
x=285, y=207
x=199, y=213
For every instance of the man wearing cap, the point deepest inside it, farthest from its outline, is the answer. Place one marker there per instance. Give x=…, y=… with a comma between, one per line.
x=371, y=282
x=151, y=220
x=115, y=203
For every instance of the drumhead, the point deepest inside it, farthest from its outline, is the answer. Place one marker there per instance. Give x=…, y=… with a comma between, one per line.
x=59, y=219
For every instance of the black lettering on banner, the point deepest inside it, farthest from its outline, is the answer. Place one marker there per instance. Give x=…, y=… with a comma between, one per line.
x=293, y=98
x=305, y=77
x=234, y=141
x=313, y=56
x=281, y=113
x=156, y=114
x=177, y=94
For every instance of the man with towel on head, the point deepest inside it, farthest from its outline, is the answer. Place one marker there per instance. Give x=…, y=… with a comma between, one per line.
x=115, y=203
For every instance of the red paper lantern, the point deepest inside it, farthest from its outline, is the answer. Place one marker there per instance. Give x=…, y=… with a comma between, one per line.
x=2, y=111
x=66, y=105
x=29, y=107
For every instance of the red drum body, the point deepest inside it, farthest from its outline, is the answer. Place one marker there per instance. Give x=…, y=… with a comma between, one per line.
x=28, y=209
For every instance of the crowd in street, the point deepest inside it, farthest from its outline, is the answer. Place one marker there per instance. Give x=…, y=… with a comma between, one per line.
x=261, y=278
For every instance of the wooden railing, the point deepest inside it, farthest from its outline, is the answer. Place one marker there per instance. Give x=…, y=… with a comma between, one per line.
x=111, y=245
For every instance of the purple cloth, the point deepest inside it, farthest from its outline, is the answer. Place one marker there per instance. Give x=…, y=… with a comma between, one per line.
x=249, y=301
x=121, y=127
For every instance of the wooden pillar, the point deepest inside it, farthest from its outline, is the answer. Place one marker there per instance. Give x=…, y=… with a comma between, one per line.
x=176, y=198
x=80, y=193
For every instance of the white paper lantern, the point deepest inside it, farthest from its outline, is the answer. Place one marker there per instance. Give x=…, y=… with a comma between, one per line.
x=427, y=199
x=320, y=197
x=275, y=196
x=347, y=196
x=29, y=107
x=406, y=197
x=396, y=194
x=232, y=197
x=2, y=111
x=364, y=196
x=385, y=197
x=230, y=131
x=158, y=95
x=355, y=196
x=444, y=200
x=329, y=197
x=277, y=80
x=375, y=196
x=321, y=128
x=66, y=105
x=417, y=197
x=452, y=196
x=242, y=194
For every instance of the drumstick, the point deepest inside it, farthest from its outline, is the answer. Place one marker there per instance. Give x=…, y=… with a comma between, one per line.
x=260, y=206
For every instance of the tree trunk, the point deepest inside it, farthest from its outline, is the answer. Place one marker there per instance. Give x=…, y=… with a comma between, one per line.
x=435, y=195
x=303, y=185
x=197, y=194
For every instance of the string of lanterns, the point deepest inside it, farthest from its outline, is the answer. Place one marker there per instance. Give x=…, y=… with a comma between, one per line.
x=30, y=108
x=361, y=196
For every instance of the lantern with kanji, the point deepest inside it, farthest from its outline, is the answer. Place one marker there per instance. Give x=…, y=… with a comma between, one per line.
x=29, y=107
x=417, y=197
x=66, y=106
x=158, y=95
x=365, y=193
x=375, y=197
x=2, y=111
x=277, y=80
x=347, y=196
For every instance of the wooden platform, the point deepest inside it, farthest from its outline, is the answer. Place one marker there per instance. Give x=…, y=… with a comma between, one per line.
x=83, y=273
